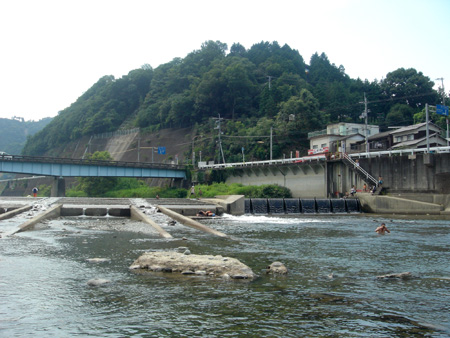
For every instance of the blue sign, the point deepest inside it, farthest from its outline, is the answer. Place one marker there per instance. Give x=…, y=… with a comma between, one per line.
x=162, y=150
x=442, y=110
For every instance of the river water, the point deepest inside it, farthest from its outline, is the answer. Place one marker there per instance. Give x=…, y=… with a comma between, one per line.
x=331, y=289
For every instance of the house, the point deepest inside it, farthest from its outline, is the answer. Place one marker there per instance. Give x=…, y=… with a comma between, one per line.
x=413, y=136
x=339, y=137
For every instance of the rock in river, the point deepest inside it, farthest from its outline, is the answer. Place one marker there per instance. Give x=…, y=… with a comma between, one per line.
x=193, y=264
x=97, y=282
x=277, y=268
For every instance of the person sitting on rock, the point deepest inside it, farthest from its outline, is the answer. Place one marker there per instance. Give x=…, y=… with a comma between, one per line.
x=206, y=213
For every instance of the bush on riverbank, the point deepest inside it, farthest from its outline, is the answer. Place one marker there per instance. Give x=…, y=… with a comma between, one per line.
x=130, y=188
x=250, y=191
x=133, y=188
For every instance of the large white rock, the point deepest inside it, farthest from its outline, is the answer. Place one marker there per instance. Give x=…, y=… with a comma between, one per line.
x=171, y=261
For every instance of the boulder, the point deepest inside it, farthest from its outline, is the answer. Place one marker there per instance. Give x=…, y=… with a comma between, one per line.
x=97, y=282
x=176, y=262
x=97, y=260
x=402, y=275
x=277, y=268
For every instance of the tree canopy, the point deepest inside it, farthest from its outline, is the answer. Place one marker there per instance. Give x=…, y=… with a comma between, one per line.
x=267, y=86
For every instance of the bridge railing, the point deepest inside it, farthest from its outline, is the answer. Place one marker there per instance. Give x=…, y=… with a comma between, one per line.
x=20, y=158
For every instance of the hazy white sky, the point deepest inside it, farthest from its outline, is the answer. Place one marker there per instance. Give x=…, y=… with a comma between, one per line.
x=54, y=50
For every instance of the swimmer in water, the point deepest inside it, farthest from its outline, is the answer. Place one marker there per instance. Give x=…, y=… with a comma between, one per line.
x=381, y=230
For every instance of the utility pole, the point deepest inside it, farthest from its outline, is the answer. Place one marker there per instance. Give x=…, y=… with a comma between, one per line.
x=365, y=115
x=139, y=148
x=271, y=133
x=270, y=78
x=443, y=103
x=218, y=120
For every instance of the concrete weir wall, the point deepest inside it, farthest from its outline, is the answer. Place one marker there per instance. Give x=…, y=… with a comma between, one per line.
x=306, y=180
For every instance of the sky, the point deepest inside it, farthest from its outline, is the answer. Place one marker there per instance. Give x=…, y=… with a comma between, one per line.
x=51, y=51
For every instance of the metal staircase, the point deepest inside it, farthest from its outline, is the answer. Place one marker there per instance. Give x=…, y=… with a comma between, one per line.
x=362, y=173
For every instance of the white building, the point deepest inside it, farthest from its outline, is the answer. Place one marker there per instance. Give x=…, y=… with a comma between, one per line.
x=339, y=137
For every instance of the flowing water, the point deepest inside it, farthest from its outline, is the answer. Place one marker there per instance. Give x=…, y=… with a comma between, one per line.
x=331, y=289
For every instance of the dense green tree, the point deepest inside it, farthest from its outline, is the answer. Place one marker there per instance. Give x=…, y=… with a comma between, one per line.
x=410, y=87
x=400, y=115
x=98, y=186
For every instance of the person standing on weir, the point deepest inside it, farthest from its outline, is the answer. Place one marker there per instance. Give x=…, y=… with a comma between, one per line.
x=35, y=191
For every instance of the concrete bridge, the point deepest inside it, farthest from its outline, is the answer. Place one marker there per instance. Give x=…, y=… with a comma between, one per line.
x=64, y=167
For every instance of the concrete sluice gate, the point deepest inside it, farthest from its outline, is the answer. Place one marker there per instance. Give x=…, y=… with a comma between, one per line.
x=265, y=206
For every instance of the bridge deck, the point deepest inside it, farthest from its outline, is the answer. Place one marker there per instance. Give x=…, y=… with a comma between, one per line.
x=65, y=167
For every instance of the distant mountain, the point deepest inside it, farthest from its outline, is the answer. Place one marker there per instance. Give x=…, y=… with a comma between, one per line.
x=14, y=133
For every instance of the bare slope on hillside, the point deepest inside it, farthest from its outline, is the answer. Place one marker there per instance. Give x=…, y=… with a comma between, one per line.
x=177, y=142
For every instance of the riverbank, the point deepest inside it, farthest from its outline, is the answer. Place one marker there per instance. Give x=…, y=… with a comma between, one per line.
x=431, y=206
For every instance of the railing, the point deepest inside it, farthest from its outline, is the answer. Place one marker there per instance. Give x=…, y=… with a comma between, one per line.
x=116, y=133
x=436, y=150
x=317, y=133
x=323, y=157
x=305, y=159
x=361, y=170
x=20, y=158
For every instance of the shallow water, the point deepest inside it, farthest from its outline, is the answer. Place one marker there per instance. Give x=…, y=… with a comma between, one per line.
x=331, y=289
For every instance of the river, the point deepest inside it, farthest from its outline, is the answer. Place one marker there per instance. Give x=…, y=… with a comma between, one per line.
x=331, y=289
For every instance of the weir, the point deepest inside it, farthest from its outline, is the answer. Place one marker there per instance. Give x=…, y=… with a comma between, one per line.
x=292, y=206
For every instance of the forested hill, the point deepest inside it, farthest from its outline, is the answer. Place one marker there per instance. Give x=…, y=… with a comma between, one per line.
x=14, y=133
x=253, y=90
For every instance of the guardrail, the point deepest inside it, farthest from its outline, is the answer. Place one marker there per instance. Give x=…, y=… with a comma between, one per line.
x=305, y=159
x=437, y=150
x=324, y=157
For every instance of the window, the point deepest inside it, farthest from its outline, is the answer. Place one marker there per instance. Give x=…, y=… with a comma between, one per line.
x=398, y=139
x=323, y=145
x=411, y=137
x=354, y=130
x=315, y=146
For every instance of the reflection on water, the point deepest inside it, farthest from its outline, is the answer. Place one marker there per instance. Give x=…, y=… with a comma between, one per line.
x=331, y=289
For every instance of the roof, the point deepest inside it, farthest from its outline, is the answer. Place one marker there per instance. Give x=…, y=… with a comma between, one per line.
x=416, y=141
x=414, y=127
x=346, y=137
x=380, y=135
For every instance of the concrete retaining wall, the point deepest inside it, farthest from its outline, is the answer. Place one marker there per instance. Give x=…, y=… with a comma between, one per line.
x=396, y=205
x=419, y=173
x=305, y=180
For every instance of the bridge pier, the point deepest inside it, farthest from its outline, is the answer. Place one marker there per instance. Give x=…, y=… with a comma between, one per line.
x=58, y=187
